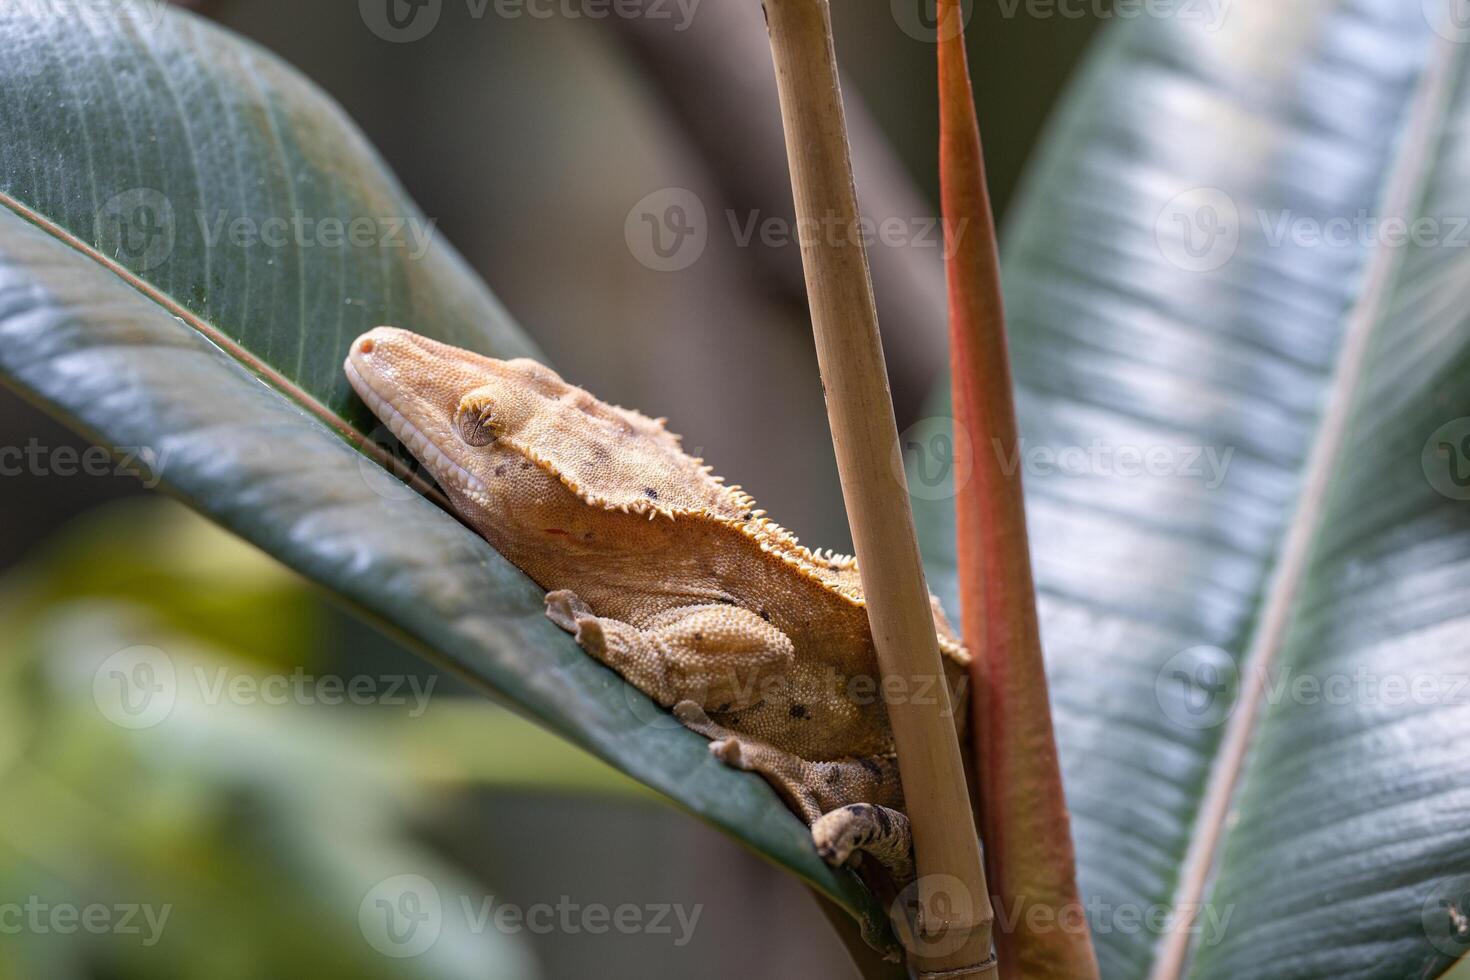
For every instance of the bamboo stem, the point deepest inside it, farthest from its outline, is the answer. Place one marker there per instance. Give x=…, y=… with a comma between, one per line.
x=953, y=937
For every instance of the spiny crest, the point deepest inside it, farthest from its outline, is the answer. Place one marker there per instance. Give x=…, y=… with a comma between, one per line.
x=616, y=458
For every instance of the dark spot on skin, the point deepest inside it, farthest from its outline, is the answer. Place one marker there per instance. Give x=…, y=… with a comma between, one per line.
x=500, y=470
x=727, y=600
x=872, y=766
x=765, y=615
x=650, y=493
x=586, y=535
x=881, y=815
x=698, y=637
x=834, y=774
x=747, y=516
x=525, y=466
x=723, y=708
x=855, y=809
x=798, y=711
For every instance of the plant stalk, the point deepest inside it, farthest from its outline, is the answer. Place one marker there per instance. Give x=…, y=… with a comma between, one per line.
x=1023, y=810
x=953, y=930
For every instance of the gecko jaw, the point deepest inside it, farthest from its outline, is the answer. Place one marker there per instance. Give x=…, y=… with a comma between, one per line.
x=445, y=470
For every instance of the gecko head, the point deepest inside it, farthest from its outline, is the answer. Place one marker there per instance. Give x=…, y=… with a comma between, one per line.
x=450, y=407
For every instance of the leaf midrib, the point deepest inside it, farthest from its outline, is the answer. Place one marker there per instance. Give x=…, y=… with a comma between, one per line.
x=257, y=366
x=1404, y=188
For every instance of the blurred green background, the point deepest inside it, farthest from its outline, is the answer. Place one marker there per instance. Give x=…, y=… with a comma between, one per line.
x=251, y=822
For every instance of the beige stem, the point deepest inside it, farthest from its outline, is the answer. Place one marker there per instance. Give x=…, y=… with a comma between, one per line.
x=955, y=916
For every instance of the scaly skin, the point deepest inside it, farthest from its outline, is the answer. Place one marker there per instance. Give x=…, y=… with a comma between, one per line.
x=667, y=575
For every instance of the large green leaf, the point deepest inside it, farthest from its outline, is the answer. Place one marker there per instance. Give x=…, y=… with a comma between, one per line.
x=1326, y=539
x=161, y=255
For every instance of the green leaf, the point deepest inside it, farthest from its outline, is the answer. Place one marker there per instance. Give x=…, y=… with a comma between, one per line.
x=1326, y=539
x=167, y=285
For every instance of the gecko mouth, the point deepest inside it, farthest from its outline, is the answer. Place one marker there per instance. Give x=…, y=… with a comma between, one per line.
x=447, y=472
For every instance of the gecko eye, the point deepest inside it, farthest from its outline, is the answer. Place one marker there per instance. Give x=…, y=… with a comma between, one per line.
x=474, y=421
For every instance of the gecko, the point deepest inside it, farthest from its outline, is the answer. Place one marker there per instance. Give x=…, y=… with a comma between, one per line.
x=670, y=577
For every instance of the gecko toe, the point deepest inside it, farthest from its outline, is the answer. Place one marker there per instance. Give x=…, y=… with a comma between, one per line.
x=730, y=752
x=565, y=608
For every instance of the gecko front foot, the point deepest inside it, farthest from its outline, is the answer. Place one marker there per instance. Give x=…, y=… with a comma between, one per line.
x=567, y=610
x=812, y=787
x=868, y=828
